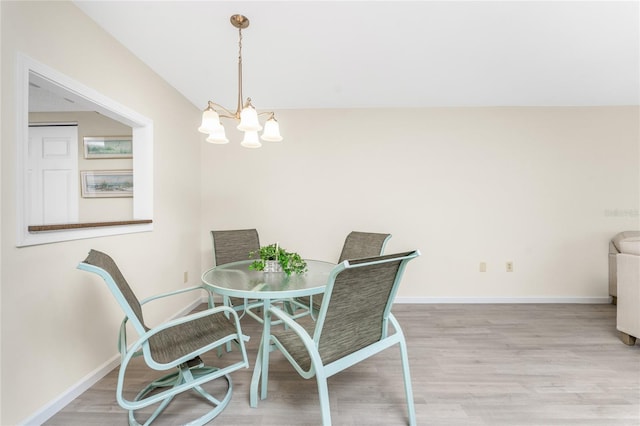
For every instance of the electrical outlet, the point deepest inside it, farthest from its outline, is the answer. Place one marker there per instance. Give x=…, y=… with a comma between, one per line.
x=186, y=277
x=509, y=266
x=483, y=266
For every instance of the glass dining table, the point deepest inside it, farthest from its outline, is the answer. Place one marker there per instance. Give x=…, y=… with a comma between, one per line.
x=237, y=280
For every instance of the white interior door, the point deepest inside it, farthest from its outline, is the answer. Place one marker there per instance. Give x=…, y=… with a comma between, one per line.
x=52, y=178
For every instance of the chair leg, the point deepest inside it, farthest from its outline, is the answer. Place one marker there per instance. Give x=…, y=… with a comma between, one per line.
x=219, y=404
x=165, y=381
x=156, y=413
x=627, y=339
x=323, y=394
x=408, y=390
x=185, y=375
x=255, y=379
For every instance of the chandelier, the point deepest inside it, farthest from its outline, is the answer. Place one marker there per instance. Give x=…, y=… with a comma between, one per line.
x=246, y=114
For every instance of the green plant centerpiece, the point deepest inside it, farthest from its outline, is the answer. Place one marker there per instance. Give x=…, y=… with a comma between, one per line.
x=290, y=262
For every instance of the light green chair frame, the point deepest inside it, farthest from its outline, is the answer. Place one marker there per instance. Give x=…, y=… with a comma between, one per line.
x=175, y=344
x=352, y=325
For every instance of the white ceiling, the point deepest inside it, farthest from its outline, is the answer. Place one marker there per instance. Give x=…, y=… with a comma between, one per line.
x=47, y=96
x=337, y=54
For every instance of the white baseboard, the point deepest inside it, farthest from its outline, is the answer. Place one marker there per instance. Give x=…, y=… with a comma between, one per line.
x=50, y=409
x=578, y=300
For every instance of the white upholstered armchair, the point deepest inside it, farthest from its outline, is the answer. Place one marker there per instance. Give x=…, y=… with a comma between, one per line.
x=622, y=242
x=628, y=315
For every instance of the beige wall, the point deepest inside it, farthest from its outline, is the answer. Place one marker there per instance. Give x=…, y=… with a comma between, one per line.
x=59, y=324
x=542, y=187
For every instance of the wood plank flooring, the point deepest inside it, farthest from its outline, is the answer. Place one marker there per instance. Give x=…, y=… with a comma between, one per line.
x=472, y=364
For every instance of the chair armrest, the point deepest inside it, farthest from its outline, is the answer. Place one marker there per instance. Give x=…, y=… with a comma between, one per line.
x=122, y=339
x=171, y=293
x=172, y=323
x=307, y=341
x=287, y=320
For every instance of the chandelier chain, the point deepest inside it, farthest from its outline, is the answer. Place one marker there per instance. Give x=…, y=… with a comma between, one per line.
x=239, y=108
x=240, y=44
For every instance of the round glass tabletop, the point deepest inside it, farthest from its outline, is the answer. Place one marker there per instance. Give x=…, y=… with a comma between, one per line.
x=237, y=280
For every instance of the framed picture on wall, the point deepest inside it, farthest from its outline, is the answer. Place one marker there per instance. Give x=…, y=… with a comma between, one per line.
x=107, y=183
x=108, y=147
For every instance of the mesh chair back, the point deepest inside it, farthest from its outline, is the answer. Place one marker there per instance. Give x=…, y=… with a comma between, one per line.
x=358, y=306
x=234, y=245
x=363, y=244
x=105, y=262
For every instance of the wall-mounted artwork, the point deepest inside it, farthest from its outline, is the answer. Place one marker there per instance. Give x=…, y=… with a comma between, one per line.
x=107, y=183
x=108, y=147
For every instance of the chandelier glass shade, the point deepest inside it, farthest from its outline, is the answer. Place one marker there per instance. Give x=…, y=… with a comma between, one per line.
x=246, y=113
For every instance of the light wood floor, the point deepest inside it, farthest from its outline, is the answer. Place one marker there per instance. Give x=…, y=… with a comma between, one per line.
x=472, y=364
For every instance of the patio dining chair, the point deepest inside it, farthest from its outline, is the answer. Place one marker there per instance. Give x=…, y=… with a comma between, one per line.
x=356, y=245
x=353, y=324
x=176, y=344
x=233, y=246
x=363, y=244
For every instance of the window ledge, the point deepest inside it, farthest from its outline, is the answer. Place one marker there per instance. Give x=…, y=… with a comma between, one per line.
x=66, y=226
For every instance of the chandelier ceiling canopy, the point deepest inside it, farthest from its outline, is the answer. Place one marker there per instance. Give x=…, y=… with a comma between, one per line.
x=245, y=113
